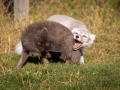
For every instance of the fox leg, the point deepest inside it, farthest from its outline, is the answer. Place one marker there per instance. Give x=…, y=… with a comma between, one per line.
x=22, y=60
x=81, y=58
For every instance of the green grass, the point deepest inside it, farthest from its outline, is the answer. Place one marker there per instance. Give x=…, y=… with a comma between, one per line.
x=101, y=70
x=91, y=76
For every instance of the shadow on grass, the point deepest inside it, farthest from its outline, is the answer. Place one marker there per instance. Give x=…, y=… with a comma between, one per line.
x=38, y=60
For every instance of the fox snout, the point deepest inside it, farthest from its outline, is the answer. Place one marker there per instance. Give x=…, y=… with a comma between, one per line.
x=77, y=36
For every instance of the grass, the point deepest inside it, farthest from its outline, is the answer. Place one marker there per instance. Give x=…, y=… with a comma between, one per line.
x=101, y=71
x=100, y=76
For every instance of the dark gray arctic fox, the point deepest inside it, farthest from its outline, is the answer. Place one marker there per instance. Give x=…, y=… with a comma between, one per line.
x=47, y=36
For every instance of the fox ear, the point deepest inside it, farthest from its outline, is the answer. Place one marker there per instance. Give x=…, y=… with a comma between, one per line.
x=42, y=35
x=92, y=36
x=44, y=31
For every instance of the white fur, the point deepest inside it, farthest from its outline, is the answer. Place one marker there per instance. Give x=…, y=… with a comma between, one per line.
x=82, y=60
x=84, y=36
x=18, y=48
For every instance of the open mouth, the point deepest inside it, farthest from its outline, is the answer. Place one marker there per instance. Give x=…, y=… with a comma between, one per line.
x=77, y=45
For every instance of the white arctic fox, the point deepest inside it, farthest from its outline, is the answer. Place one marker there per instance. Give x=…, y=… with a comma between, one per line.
x=83, y=37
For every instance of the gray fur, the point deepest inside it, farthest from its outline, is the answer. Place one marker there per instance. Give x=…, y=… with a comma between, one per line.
x=44, y=37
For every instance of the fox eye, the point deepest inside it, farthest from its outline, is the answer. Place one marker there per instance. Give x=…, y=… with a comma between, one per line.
x=84, y=36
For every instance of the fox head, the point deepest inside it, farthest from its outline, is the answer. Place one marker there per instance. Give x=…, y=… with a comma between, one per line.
x=44, y=41
x=83, y=38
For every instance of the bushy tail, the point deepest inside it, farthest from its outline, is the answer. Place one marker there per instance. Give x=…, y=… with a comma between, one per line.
x=18, y=48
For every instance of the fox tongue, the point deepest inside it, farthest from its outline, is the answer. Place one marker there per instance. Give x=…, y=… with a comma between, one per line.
x=76, y=45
